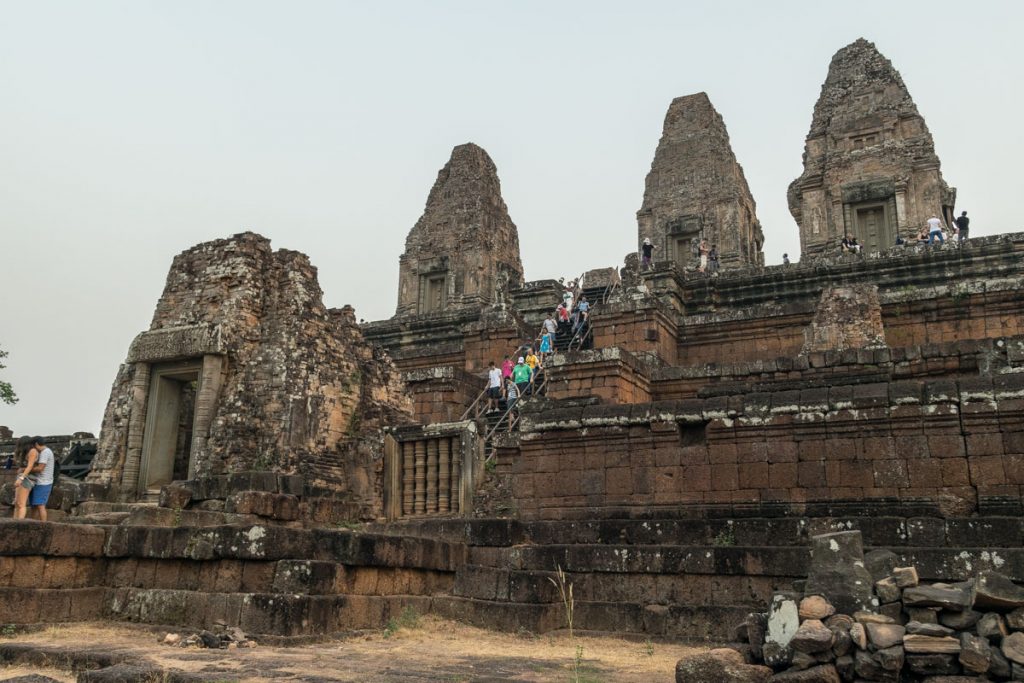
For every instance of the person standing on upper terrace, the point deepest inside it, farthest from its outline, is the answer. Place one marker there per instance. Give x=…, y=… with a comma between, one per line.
x=935, y=230
x=646, y=253
x=963, y=224
x=702, y=252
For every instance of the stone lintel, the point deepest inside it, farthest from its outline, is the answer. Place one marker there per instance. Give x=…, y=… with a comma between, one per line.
x=174, y=343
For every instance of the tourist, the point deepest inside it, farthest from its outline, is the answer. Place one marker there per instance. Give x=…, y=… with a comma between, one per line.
x=549, y=326
x=582, y=314
x=521, y=375
x=45, y=465
x=647, y=250
x=899, y=240
x=855, y=245
x=713, y=260
x=935, y=230
x=849, y=244
x=963, y=224
x=785, y=259
x=511, y=395
x=506, y=367
x=493, y=387
x=25, y=454
x=547, y=342
x=532, y=361
x=922, y=237
x=702, y=252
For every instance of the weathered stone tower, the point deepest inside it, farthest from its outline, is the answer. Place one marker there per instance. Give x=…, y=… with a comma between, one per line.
x=243, y=368
x=464, y=249
x=696, y=189
x=870, y=168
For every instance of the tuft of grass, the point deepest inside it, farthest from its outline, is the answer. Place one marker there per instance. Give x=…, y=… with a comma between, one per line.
x=569, y=605
x=408, y=619
x=648, y=648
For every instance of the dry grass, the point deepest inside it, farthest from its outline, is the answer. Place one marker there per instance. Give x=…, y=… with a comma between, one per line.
x=434, y=650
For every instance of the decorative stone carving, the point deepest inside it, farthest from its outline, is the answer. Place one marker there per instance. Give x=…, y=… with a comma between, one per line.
x=696, y=189
x=870, y=168
x=464, y=249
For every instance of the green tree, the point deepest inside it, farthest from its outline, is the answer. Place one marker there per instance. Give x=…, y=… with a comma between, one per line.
x=7, y=394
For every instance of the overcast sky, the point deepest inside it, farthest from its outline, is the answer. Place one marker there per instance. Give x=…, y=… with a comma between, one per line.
x=130, y=131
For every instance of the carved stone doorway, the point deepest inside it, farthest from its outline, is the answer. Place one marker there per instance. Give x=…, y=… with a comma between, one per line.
x=170, y=417
x=872, y=229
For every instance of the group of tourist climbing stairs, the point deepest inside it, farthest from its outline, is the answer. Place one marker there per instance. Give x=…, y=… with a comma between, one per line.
x=572, y=336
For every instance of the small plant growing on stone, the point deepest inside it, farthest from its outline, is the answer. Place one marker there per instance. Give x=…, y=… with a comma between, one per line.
x=8, y=631
x=725, y=538
x=648, y=648
x=177, y=516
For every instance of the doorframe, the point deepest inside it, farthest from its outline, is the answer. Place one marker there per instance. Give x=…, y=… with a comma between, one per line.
x=190, y=370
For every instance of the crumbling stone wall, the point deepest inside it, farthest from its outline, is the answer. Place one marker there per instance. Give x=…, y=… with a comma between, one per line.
x=696, y=189
x=870, y=167
x=464, y=249
x=284, y=381
x=846, y=318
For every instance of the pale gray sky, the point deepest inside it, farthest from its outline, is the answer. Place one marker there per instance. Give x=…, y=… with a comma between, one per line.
x=132, y=130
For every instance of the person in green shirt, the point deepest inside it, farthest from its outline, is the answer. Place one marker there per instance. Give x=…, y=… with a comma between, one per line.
x=521, y=375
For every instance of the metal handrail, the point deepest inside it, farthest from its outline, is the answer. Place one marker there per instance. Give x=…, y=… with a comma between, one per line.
x=475, y=405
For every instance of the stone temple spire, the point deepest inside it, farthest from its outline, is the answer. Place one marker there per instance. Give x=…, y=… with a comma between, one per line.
x=870, y=168
x=696, y=189
x=464, y=249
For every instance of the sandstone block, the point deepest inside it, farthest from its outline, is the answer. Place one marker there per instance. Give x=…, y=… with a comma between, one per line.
x=859, y=636
x=991, y=626
x=995, y=591
x=887, y=590
x=1013, y=647
x=960, y=621
x=812, y=637
x=975, y=653
x=932, y=664
x=1015, y=619
x=905, y=577
x=953, y=599
x=825, y=673
x=931, y=644
x=815, y=607
x=934, y=630
x=883, y=636
x=837, y=572
x=720, y=666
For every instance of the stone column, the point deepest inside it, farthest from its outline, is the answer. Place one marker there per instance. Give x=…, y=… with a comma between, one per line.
x=901, y=209
x=420, y=477
x=407, y=478
x=210, y=379
x=136, y=427
x=432, y=475
x=456, y=482
x=444, y=475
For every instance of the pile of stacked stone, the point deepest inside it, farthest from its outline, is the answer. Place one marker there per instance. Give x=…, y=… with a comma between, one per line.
x=874, y=621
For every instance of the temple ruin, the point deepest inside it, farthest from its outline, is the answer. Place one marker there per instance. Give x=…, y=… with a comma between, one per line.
x=464, y=249
x=870, y=167
x=266, y=462
x=696, y=190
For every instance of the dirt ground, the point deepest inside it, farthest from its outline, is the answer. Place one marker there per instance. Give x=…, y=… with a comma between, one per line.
x=431, y=650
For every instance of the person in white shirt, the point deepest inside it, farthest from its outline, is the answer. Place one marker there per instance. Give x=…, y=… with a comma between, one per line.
x=935, y=230
x=493, y=387
x=40, y=493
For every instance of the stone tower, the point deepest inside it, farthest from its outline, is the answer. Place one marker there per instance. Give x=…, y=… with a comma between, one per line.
x=464, y=249
x=870, y=168
x=696, y=189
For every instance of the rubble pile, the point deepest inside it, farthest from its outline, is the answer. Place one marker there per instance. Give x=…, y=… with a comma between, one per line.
x=223, y=637
x=870, y=620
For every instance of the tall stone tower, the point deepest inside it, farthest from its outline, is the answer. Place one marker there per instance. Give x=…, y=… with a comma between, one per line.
x=696, y=189
x=464, y=249
x=870, y=168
